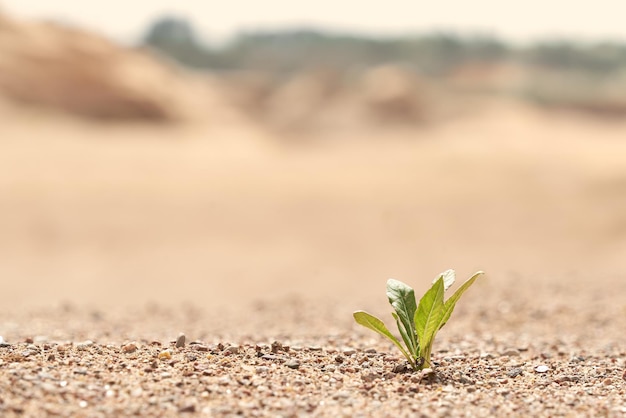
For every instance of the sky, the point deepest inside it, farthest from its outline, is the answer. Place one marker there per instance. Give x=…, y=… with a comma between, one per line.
x=517, y=21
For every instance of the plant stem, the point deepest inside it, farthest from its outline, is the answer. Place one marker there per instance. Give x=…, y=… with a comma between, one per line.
x=426, y=355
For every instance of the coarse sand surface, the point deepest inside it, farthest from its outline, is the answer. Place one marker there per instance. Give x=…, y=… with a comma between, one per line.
x=117, y=239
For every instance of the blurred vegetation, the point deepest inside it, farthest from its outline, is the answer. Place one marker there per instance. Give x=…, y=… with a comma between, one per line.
x=430, y=54
x=589, y=77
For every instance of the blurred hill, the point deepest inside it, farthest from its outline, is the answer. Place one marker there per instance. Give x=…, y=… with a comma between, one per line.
x=53, y=66
x=303, y=81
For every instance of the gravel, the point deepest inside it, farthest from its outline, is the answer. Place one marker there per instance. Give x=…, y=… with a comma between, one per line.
x=58, y=378
x=307, y=358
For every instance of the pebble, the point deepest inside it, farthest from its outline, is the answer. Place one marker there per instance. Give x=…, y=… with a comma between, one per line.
x=349, y=351
x=276, y=347
x=165, y=355
x=515, y=372
x=200, y=347
x=427, y=372
x=511, y=353
x=129, y=348
x=233, y=349
x=369, y=377
x=341, y=395
x=187, y=408
x=401, y=368
x=565, y=378
x=542, y=369
x=180, y=341
x=84, y=345
x=293, y=364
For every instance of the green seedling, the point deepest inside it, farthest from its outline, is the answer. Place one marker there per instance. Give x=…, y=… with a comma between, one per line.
x=417, y=324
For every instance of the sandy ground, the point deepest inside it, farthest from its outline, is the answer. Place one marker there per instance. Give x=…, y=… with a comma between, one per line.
x=113, y=235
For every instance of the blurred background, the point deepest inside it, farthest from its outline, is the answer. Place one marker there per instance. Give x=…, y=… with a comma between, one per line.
x=182, y=151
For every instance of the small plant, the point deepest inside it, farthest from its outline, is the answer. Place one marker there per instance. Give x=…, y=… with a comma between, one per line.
x=417, y=324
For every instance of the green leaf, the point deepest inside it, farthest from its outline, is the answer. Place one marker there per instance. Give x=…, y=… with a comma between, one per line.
x=452, y=300
x=375, y=324
x=407, y=339
x=402, y=299
x=428, y=315
x=449, y=276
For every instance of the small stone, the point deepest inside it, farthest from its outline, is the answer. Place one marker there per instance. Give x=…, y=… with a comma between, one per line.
x=293, y=364
x=165, y=355
x=565, y=378
x=180, y=341
x=514, y=372
x=314, y=348
x=511, y=353
x=187, y=408
x=624, y=375
x=200, y=347
x=427, y=372
x=400, y=368
x=464, y=380
x=542, y=369
x=370, y=351
x=349, y=351
x=129, y=348
x=276, y=347
x=341, y=395
x=369, y=377
x=608, y=381
x=233, y=349
x=84, y=345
